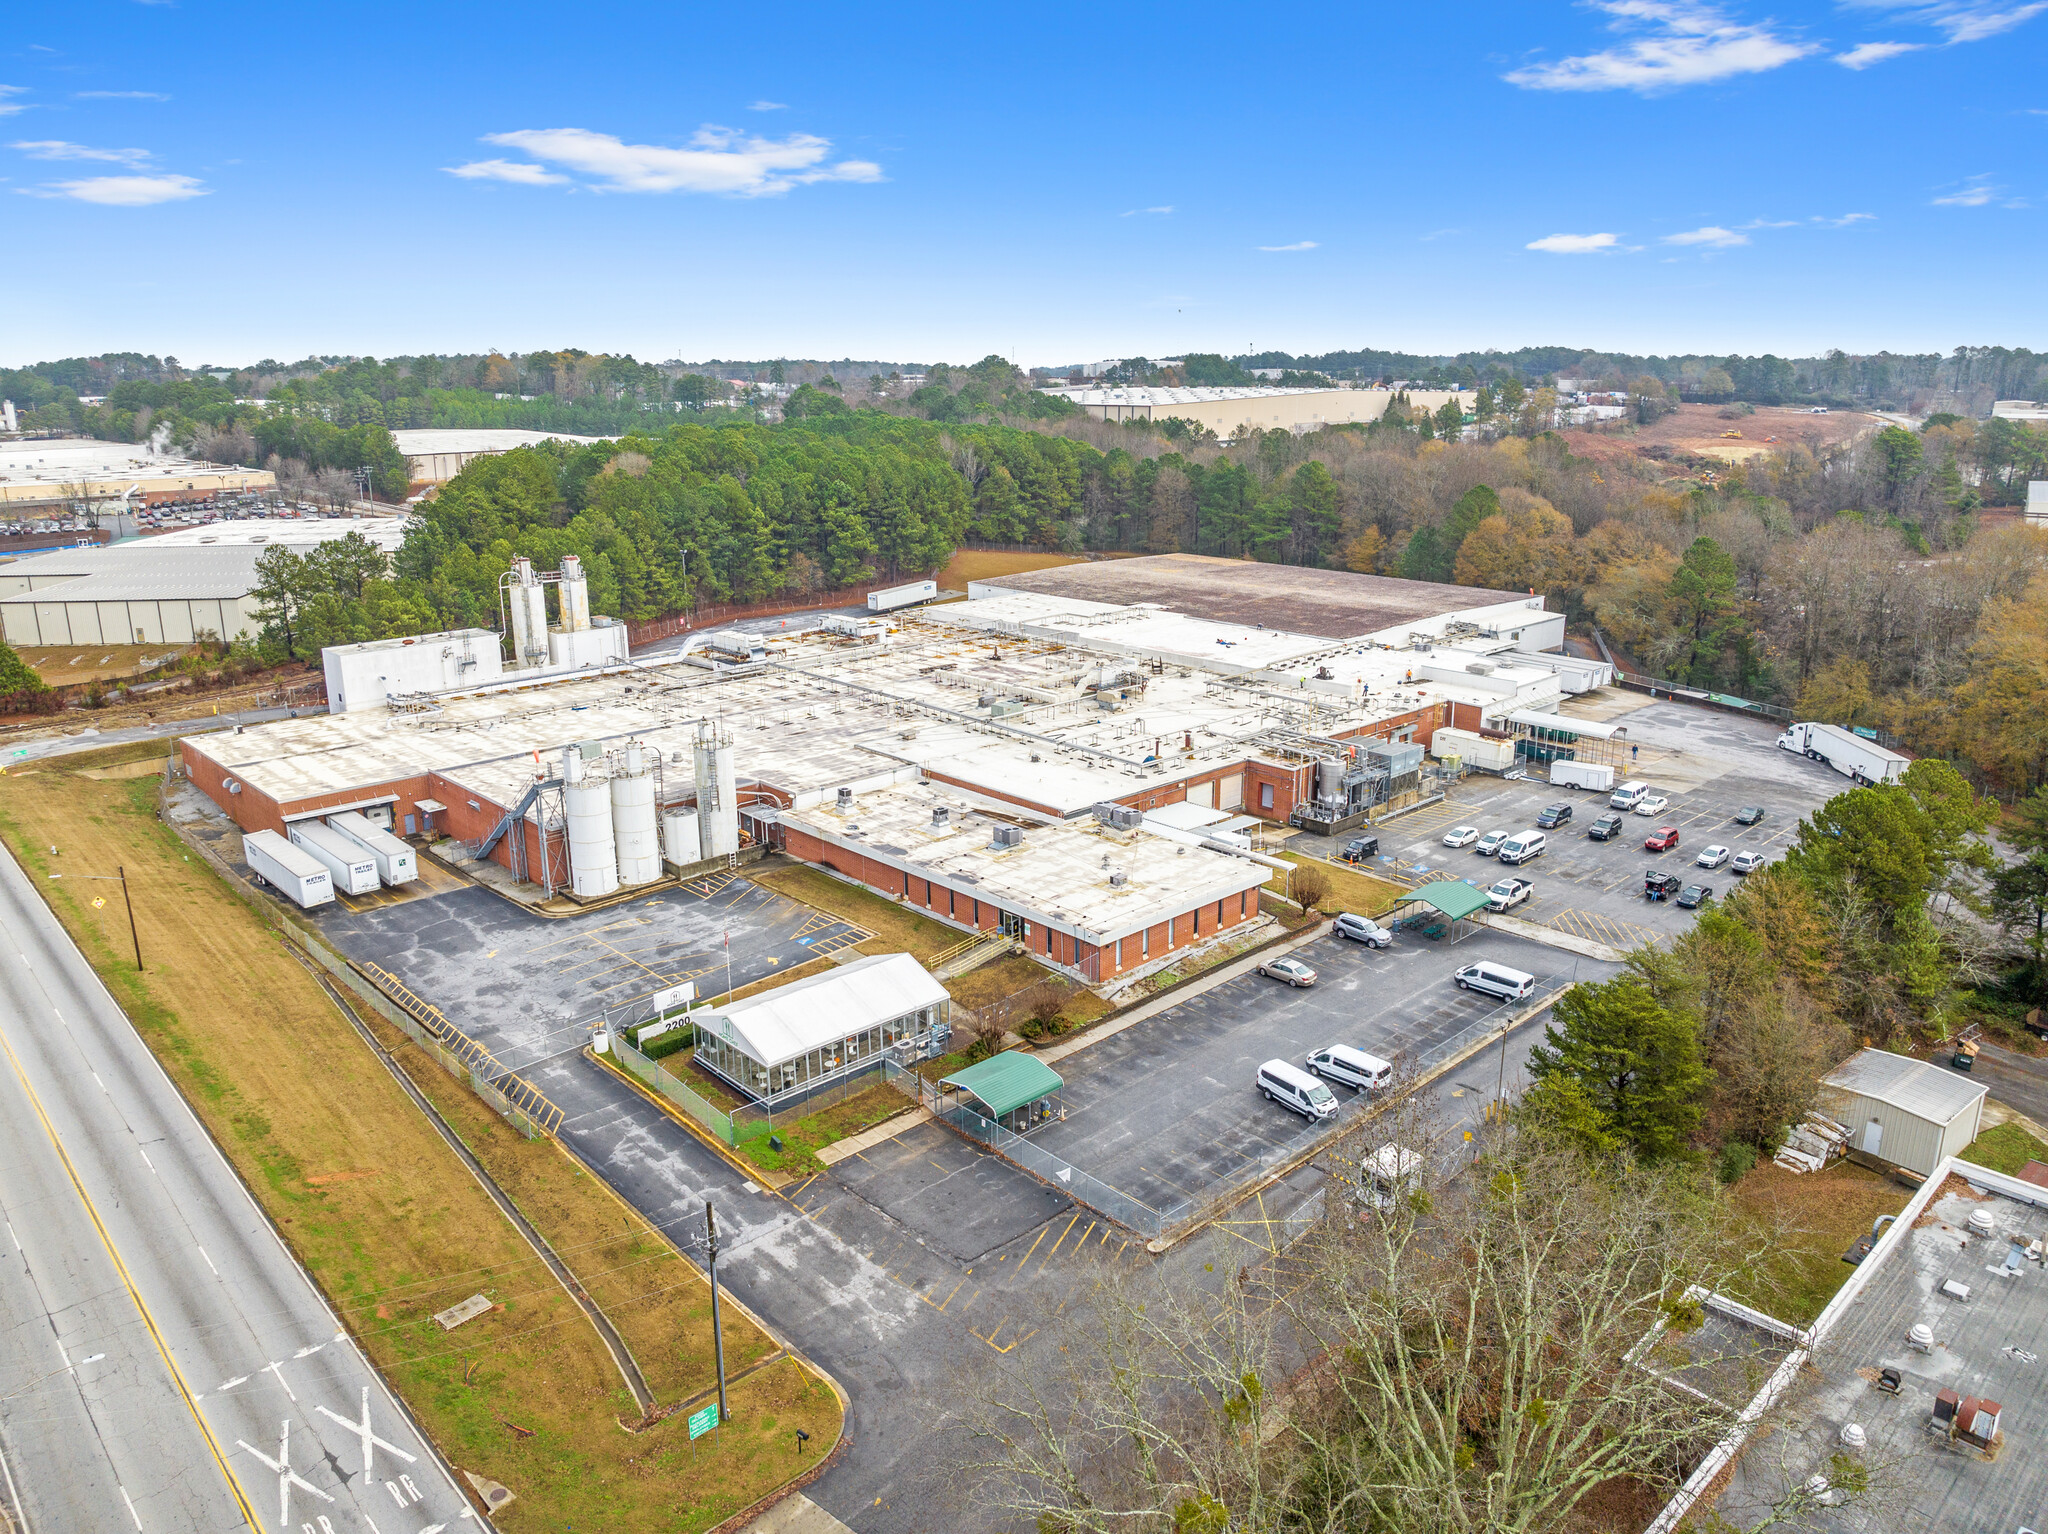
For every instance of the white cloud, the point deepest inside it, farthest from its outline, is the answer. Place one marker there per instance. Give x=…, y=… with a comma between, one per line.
x=1297, y=245
x=123, y=191
x=1863, y=55
x=1965, y=21
x=1574, y=244
x=519, y=172
x=1770, y=223
x=1437, y=234
x=7, y=107
x=1844, y=221
x=1974, y=193
x=769, y=106
x=719, y=160
x=120, y=96
x=1134, y=212
x=59, y=149
x=1686, y=44
x=1713, y=237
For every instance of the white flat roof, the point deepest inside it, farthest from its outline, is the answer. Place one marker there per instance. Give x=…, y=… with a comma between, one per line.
x=822, y=1010
x=422, y=441
x=214, y=560
x=1195, y=396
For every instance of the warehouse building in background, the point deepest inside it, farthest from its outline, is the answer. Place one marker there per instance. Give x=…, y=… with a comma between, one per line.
x=434, y=456
x=166, y=589
x=1228, y=411
x=41, y=473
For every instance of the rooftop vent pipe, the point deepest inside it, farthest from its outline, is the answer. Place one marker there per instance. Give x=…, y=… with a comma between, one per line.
x=940, y=817
x=845, y=802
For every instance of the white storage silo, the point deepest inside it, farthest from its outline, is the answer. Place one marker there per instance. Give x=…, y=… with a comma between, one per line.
x=593, y=855
x=574, y=595
x=633, y=825
x=529, y=616
x=679, y=837
x=718, y=810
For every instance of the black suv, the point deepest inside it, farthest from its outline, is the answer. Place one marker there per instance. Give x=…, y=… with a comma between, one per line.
x=1607, y=827
x=1658, y=885
x=1749, y=814
x=1359, y=848
x=1553, y=815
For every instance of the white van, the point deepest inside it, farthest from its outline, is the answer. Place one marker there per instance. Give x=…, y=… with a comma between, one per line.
x=1496, y=980
x=1522, y=846
x=1352, y=1067
x=1292, y=1087
x=1626, y=796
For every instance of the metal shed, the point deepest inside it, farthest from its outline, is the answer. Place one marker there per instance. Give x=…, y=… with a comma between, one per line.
x=1018, y=1091
x=1445, y=905
x=1903, y=1111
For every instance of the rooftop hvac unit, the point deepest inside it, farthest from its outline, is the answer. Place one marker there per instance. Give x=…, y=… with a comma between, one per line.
x=941, y=816
x=844, y=804
x=1116, y=879
x=1006, y=837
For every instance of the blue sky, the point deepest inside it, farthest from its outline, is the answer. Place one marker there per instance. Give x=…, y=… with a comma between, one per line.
x=224, y=182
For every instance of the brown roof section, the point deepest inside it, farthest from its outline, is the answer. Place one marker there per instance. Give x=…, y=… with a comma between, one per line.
x=1333, y=604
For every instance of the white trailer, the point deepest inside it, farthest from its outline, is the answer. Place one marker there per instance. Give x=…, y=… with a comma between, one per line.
x=299, y=876
x=1845, y=751
x=902, y=596
x=1582, y=775
x=354, y=870
x=396, y=863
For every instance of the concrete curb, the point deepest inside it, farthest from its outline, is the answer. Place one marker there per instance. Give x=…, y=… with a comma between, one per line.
x=1175, y=995
x=1436, y=1072
x=831, y=1155
x=1549, y=937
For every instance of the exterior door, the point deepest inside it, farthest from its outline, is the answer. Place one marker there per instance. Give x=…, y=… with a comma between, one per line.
x=1873, y=1137
x=1203, y=794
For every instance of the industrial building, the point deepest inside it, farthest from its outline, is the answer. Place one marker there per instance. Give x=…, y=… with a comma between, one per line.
x=434, y=456
x=1903, y=1111
x=168, y=588
x=1077, y=774
x=1228, y=411
x=1915, y=1400
x=76, y=471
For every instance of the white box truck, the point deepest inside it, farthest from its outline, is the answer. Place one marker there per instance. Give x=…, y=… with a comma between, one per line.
x=354, y=870
x=396, y=863
x=1582, y=775
x=1845, y=751
x=902, y=596
x=297, y=875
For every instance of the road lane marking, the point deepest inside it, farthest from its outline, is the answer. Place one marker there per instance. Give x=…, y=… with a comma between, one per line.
x=273, y=1367
x=134, y=1294
x=209, y=1262
x=145, y=1159
x=131, y=1507
x=96, y=1078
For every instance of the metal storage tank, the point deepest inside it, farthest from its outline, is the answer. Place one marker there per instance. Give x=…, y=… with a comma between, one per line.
x=529, y=604
x=574, y=595
x=679, y=838
x=593, y=854
x=633, y=827
x=718, y=810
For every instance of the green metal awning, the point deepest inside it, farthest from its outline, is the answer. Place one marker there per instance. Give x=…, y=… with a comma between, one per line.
x=1454, y=897
x=1006, y=1081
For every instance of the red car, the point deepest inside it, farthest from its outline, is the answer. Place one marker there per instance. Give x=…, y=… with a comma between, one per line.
x=1664, y=839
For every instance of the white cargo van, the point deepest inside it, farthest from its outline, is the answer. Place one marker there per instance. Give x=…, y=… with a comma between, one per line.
x=1627, y=796
x=1292, y=1087
x=1522, y=846
x=1352, y=1067
x=1496, y=980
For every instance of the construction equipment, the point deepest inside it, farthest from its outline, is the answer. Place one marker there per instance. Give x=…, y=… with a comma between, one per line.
x=1731, y=432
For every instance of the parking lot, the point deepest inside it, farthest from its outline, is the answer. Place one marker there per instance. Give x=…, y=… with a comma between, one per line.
x=1595, y=889
x=1169, y=1111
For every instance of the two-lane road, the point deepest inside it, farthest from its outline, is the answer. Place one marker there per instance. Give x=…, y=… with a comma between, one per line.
x=165, y=1365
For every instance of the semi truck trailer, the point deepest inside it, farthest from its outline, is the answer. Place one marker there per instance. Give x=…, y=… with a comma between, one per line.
x=1845, y=751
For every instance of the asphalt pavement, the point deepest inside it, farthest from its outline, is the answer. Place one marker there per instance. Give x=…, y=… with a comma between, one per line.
x=165, y=1365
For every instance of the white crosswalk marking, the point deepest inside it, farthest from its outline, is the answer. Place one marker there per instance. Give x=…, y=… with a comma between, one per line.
x=362, y=1431
x=287, y=1477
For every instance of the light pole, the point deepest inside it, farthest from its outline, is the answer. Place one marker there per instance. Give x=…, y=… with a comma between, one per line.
x=120, y=878
x=709, y=1242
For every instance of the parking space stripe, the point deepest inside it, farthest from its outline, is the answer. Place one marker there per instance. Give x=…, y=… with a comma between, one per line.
x=1057, y=1244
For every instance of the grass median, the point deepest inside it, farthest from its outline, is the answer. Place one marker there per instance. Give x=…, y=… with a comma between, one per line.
x=387, y=1219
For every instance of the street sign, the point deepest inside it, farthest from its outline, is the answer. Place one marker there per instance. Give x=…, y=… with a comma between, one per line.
x=703, y=1419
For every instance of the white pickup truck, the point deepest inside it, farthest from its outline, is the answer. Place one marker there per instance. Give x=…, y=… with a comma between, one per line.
x=1845, y=751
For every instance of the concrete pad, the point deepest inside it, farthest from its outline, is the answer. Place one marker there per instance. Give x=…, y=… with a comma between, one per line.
x=796, y=1514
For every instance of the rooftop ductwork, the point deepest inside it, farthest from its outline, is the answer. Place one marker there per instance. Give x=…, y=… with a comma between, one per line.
x=1005, y=838
x=941, y=817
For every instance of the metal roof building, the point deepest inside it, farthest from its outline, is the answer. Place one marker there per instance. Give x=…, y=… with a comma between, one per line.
x=43, y=472
x=1904, y=1111
x=165, y=589
x=433, y=456
x=785, y=1044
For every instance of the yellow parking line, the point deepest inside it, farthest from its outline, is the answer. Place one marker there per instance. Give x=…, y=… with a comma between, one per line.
x=1058, y=1244
x=1034, y=1247
x=941, y=1306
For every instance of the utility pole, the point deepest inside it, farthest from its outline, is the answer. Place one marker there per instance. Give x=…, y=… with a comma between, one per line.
x=710, y=1244
x=133, y=934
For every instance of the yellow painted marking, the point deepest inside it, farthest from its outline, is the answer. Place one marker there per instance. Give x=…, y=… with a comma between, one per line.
x=1034, y=1245
x=1058, y=1244
x=134, y=1294
x=949, y=1298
